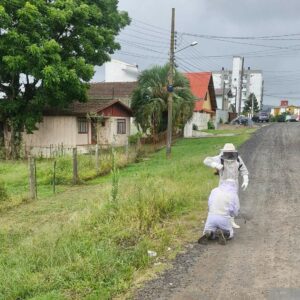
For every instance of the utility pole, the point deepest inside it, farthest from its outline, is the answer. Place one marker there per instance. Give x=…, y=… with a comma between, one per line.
x=170, y=86
x=223, y=96
x=235, y=99
x=241, y=87
x=252, y=104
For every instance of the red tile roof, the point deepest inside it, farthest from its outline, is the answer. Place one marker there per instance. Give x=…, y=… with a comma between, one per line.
x=201, y=83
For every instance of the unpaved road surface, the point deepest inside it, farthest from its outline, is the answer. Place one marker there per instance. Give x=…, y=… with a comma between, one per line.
x=263, y=261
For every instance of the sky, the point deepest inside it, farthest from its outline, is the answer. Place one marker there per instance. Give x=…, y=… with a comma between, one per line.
x=265, y=32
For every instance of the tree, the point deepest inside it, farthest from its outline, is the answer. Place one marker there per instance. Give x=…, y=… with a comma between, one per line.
x=248, y=105
x=149, y=100
x=47, y=52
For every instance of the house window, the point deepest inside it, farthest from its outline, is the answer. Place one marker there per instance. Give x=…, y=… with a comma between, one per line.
x=121, y=126
x=82, y=125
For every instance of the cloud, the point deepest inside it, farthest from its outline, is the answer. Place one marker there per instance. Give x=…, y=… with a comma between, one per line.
x=223, y=18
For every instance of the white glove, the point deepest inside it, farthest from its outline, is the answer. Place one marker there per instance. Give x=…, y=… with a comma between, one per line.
x=217, y=166
x=245, y=182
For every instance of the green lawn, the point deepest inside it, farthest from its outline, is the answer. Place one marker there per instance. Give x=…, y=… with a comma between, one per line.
x=239, y=130
x=79, y=244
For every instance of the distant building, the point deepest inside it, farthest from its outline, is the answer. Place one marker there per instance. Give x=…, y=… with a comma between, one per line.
x=252, y=82
x=118, y=71
x=202, y=87
x=284, y=107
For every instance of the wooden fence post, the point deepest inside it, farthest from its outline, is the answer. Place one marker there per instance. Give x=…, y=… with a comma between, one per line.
x=32, y=177
x=75, y=166
x=97, y=158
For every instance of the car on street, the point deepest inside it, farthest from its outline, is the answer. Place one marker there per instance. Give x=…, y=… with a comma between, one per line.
x=241, y=120
x=263, y=117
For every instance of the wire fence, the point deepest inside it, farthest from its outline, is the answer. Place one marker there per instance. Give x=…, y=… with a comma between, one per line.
x=41, y=174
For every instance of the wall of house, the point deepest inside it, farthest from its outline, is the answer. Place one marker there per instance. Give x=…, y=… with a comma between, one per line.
x=199, y=119
x=207, y=102
x=221, y=114
x=108, y=134
x=83, y=138
x=54, y=130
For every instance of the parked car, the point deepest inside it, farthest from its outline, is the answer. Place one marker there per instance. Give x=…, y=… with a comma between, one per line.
x=290, y=118
x=241, y=120
x=263, y=117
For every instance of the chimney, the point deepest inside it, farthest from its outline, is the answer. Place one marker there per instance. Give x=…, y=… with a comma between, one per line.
x=284, y=103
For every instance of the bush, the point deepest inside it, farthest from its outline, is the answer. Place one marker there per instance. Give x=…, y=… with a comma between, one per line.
x=281, y=118
x=133, y=139
x=210, y=125
x=221, y=121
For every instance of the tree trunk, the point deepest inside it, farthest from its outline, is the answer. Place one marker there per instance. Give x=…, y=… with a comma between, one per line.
x=7, y=141
x=11, y=141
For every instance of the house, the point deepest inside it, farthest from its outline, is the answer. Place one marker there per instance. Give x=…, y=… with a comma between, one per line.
x=202, y=87
x=103, y=119
x=284, y=107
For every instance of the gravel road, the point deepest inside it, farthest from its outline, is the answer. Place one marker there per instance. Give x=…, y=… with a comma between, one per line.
x=263, y=261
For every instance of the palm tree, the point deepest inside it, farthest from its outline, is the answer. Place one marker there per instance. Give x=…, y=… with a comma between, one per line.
x=150, y=98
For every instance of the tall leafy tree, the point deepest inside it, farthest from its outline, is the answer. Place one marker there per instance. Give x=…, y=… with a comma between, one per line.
x=47, y=52
x=150, y=98
x=248, y=104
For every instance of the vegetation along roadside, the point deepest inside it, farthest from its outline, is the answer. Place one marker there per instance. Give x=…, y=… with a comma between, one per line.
x=86, y=244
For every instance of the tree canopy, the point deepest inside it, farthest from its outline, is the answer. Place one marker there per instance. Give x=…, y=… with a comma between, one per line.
x=248, y=104
x=47, y=53
x=149, y=100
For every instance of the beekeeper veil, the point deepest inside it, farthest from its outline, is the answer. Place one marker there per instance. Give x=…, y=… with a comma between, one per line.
x=229, y=159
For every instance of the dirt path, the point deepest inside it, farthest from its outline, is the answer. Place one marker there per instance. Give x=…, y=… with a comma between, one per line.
x=263, y=262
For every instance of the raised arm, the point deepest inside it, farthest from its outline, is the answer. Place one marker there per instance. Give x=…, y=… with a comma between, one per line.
x=213, y=162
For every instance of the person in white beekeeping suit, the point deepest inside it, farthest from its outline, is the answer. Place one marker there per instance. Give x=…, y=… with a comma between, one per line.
x=229, y=166
x=223, y=203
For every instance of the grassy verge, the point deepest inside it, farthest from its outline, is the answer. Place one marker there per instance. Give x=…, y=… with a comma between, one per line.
x=238, y=130
x=82, y=245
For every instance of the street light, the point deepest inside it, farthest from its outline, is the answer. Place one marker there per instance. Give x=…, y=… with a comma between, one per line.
x=170, y=85
x=190, y=45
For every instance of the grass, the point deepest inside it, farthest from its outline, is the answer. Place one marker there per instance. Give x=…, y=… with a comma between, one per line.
x=80, y=244
x=238, y=130
x=14, y=174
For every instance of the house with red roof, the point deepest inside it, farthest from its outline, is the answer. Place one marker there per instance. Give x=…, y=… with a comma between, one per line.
x=103, y=119
x=202, y=87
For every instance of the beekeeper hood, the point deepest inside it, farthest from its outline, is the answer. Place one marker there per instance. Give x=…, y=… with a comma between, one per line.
x=229, y=152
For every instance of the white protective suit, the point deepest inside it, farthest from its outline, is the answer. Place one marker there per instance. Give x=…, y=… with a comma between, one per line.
x=223, y=204
x=229, y=169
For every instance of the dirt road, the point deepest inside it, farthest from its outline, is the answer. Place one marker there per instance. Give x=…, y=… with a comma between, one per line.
x=263, y=261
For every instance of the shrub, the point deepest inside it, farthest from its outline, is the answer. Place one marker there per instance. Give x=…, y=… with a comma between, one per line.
x=133, y=139
x=210, y=125
x=221, y=121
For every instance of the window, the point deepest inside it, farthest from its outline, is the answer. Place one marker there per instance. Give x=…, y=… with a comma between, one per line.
x=82, y=125
x=121, y=126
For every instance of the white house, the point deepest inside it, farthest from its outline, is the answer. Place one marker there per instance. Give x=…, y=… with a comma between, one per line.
x=103, y=119
x=119, y=71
